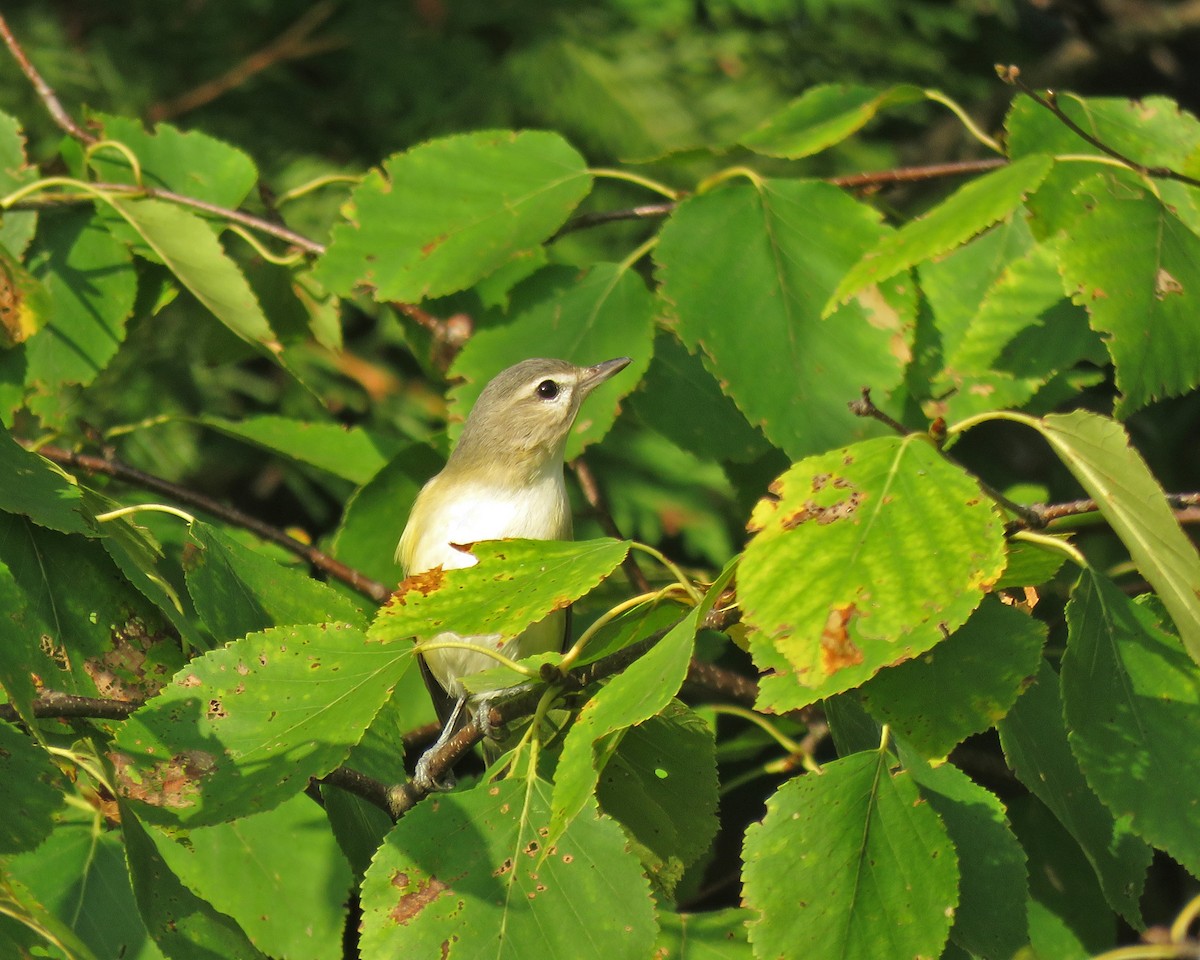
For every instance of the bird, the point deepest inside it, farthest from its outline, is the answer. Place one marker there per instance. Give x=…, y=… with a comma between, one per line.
x=504, y=479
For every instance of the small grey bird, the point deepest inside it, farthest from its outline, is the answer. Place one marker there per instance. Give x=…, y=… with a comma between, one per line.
x=504, y=479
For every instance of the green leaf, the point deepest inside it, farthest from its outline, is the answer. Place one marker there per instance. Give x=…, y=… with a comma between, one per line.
x=773, y=253
x=192, y=162
x=77, y=625
x=1068, y=917
x=183, y=925
x=1029, y=564
x=1136, y=268
x=1035, y=745
x=31, y=791
x=661, y=784
x=1097, y=451
x=716, y=935
x=991, y=917
x=311, y=877
x=682, y=401
x=824, y=115
x=850, y=863
x=190, y=250
x=40, y=490
x=870, y=555
x=451, y=211
x=26, y=926
x=472, y=868
x=243, y=728
x=352, y=453
x=81, y=877
x=1131, y=697
x=16, y=226
x=966, y=212
x=585, y=318
x=25, y=306
x=515, y=583
x=92, y=285
x=374, y=516
x=637, y=693
x=237, y=590
x=964, y=685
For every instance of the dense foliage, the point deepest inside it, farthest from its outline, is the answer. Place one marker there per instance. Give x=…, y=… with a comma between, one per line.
x=853, y=672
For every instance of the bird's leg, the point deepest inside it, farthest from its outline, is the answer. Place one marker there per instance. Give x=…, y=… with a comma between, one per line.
x=422, y=778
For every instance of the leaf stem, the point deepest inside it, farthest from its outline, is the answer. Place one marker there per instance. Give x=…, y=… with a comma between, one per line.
x=938, y=97
x=695, y=596
x=569, y=658
x=1051, y=543
x=728, y=174
x=316, y=184
x=660, y=188
x=148, y=508
x=644, y=248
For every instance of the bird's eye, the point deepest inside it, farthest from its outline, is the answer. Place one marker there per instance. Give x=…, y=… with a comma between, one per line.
x=547, y=389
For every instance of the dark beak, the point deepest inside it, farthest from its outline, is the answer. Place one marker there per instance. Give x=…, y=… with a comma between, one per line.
x=595, y=375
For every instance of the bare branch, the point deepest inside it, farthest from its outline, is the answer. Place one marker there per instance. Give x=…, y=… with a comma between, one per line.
x=111, y=467
x=48, y=97
x=1012, y=75
x=51, y=704
x=294, y=43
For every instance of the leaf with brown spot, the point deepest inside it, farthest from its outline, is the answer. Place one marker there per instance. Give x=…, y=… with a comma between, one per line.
x=472, y=874
x=514, y=584
x=263, y=724
x=895, y=550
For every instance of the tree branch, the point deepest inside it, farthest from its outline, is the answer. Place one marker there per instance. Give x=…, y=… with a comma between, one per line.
x=1012, y=75
x=48, y=97
x=111, y=467
x=259, y=224
x=293, y=44
x=54, y=704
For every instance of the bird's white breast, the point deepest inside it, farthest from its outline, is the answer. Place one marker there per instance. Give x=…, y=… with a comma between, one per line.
x=477, y=512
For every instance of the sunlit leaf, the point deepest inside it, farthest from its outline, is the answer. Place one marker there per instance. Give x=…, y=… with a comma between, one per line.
x=450, y=211
x=972, y=208
x=824, y=115
x=243, y=728
x=471, y=868
x=863, y=557
x=745, y=270
x=1136, y=268
x=1097, y=451
x=850, y=863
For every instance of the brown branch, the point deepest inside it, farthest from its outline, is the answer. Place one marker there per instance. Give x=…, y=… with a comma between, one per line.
x=1012, y=75
x=645, y=211
x=54, y=704
x=865, y=407
x=294, y=43
x=881, y=178
x=155, y=193
x=1184, y=504
x=594, y=497
x=111, y=467
x=48, y=97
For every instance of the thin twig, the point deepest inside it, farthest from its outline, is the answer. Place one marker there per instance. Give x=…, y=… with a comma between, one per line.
x=591, y=493
x=122, y=471
x=258, y=224
x=864, y=407
x=1182, y=503
x=48, y=97
x=1012, y=75
x=54, y=704
x=294, y=43
x=880, y=178
x=645, y=211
